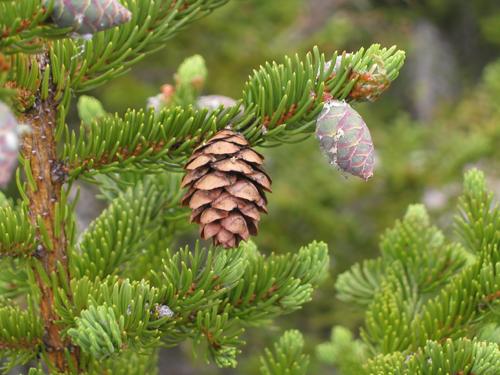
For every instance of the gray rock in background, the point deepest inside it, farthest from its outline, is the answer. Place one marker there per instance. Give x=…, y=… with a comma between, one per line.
x=432, y=70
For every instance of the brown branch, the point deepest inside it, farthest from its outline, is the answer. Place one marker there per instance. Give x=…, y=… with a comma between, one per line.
x=24, y=24
x=20, y=345
x=210, y=338
x=4, y=63
x=492, y=297
x=17, y=250
x=39, y=150
x=122, y=153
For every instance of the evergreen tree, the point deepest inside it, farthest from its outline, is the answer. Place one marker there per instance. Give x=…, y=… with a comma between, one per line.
x=105, y=301
x=431, y=304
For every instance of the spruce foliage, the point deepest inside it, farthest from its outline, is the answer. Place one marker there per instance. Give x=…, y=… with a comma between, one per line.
x=106, y=300
x=431, y=303
x=286, y=358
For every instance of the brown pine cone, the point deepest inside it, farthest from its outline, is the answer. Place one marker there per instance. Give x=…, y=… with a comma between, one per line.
x=226, y=187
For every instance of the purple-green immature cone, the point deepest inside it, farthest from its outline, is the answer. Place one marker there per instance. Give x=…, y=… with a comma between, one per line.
x=345, y=139
x=89, y=16
x=9, y=144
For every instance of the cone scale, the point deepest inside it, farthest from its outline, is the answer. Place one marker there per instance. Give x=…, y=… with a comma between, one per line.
x=226, y=189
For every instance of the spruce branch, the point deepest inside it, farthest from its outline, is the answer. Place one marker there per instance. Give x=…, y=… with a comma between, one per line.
x=221, y=335
x=451, y=357
x=168, y=219
x=23, y=23
x=140, y=140
x=284, y=112
x=423, y=249
x=4, y=69
x=458, y=304
x=47, y=205
x=91, y=314
x=195, y=282
x=460, y=301
x=278, y=284
x=233, y=291
x=116, y=315
x=361, y=282
x=109, y=53
x=343, y=351
x=389, y=317
x=22, y=80
x=128, y=362
x=14, y=280
x=286, y=357
x=288, y=97
x=425, y=301
x=414, y=243
x=21, y=336
x=131, y=218
x=139, y=309
x=98, y=332
x=477, y=222
x=196, y=288
x=21, y=329
x=36, y=371
x=112, y=53
x=17, y=236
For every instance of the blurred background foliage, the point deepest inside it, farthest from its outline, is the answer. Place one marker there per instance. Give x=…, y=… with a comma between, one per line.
x=441, y=116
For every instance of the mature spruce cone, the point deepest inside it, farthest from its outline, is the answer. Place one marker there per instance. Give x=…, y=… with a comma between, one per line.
x=226, y=187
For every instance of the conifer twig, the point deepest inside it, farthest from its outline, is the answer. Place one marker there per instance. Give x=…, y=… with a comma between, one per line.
x=39, y=152
x=20, y=345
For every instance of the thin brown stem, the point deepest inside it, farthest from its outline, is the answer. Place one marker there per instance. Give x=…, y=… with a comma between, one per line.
x=19, y=345
x=39, y=150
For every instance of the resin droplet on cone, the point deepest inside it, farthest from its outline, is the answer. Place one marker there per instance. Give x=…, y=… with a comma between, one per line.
x=89, y=16
x=345, y=139
x=226, y=187
x=9, y=144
